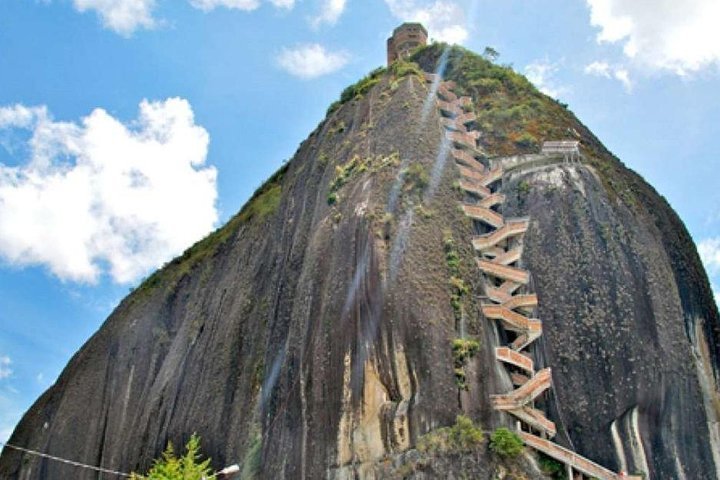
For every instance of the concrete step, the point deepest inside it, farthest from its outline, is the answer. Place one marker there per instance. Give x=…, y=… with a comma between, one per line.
x=464, y=158
x=476, y=212
x=510, y=229
x=492, y=200
x=504, y=272
x=484, y=178
x=520, y=360
x=568, y=457
x=446, y=93
x=463, y=141
x=518, y=379
x=475, y=188
x=525, y=394
x=449, y=108
x=509, y=257
x=536, y=419
x=525, y=339
x=521, y=301
x=512, y=320
x=465, y=118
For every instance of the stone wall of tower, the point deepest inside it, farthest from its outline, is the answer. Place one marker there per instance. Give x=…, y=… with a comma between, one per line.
x=404, y=40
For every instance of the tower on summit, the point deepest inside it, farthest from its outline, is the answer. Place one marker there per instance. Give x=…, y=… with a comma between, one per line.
x=405, y=38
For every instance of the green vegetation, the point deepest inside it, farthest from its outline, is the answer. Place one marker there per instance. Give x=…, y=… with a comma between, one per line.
x=187, y=467
x=513, y=115
x=527, y=141
x=358, y=89
x=452, y=258
x=458, y=288
x=551, y=467
x=357, y=165
x=339, y=127
x=402, y=68
x=263, y=205
x=415, y=178
x=506, y=443
x=490, y=54
x=463, y=350
x=463, y=437
x=523, y=188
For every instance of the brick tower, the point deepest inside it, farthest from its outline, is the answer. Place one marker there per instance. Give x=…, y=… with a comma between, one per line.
x=404, y=40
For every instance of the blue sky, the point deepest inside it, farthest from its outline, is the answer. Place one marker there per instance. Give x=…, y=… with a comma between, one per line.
x=129, y=129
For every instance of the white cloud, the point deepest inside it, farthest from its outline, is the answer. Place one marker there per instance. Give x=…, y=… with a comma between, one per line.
x=10, y=414
x=604, y=69
x=122, y=16
x=100, y=195
x=5, y=370
x=600, y=69
x=20, y=116
x=246, y=5
x=541, y=73
x=444, y=19
x=677, y=36
x=330, y=12
x=311, y=60
x=710, y=254
x=287, y=4
x=208, y=5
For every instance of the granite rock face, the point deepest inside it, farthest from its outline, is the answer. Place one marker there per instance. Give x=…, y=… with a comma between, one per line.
x=310, y=337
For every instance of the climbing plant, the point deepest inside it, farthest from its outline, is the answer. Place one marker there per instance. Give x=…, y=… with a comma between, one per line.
x=463, y=350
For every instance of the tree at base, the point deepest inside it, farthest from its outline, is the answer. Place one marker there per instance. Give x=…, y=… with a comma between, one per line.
x=187, y=467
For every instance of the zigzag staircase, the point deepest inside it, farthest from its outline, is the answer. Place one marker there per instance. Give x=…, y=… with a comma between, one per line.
x=499, y=254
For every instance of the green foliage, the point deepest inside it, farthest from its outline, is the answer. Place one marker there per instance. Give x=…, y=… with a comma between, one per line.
x=452, y=258
x=187, y=467
x=333, y=107
x=490, y=54
x=513, y=114
x=551, y=467
x=339, y=127
x=463, y=437
x=343, y=173
x=463, y=350
x=263, y=205
x=527, y=141
x=357, y=165
x=523, y=188
x=416, y=178
x=506, y=443
x=361, y=87
x=402, y=68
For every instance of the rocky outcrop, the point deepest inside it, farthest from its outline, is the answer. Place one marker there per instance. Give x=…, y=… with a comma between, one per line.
x=312, y=336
